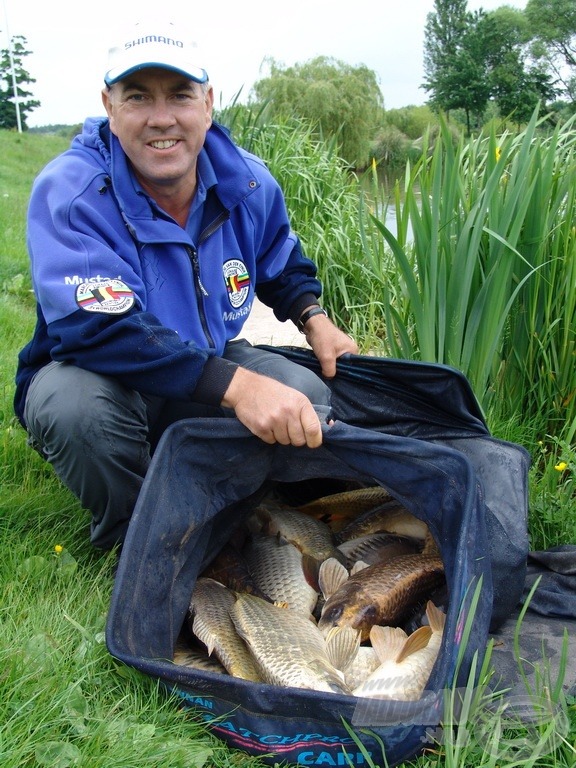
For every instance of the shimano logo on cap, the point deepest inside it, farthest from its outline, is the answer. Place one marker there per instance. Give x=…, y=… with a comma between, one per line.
x=153, y=39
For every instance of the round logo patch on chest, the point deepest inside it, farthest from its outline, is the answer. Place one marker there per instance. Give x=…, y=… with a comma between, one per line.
x=237, y=282
x=111, y=297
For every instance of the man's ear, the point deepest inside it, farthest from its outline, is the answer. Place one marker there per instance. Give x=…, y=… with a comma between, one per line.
x=107, y=102
x=209, y=99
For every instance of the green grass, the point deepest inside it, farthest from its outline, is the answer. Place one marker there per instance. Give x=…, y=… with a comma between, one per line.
x=64, y=701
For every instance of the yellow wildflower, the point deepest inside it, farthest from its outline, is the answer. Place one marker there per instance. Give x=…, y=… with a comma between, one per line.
x=498, y=153
x=58, y=548
x=561, y=466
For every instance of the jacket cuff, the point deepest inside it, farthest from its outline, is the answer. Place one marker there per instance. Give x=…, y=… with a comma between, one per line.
x=301, y=303
x=214, y=381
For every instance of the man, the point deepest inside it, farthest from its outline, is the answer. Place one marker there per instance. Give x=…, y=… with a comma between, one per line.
x=148, y=239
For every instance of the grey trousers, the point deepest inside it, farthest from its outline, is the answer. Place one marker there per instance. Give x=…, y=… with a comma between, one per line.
x=100, y=436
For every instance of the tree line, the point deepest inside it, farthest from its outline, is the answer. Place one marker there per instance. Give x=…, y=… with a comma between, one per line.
x=477, y=65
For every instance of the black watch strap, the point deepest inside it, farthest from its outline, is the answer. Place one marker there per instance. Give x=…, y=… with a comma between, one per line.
x=305, y=316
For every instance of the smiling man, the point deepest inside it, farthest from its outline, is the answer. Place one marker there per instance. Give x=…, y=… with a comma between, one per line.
x=149, y=240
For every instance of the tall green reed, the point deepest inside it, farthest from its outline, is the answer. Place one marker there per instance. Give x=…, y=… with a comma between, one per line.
x=485, y=247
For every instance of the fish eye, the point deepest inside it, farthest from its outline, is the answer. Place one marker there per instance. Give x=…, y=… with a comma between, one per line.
x=333, y=614
x=370, y=613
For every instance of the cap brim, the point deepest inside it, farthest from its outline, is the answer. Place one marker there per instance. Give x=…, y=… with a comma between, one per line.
x=197, y=74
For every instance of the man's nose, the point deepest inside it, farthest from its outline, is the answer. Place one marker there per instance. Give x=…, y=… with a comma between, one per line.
x=161, y=113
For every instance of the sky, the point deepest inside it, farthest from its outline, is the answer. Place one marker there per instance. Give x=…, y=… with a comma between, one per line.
x=69, y=42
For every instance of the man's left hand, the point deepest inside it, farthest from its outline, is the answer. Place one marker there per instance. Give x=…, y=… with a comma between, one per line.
x=328, y=343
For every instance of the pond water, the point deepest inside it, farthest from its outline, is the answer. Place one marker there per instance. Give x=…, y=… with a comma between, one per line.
x=385, y=202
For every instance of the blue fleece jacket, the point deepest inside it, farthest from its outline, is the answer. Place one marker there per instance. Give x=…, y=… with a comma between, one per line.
x=124, y=291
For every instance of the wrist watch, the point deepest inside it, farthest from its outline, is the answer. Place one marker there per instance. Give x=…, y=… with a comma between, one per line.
x=305, y=316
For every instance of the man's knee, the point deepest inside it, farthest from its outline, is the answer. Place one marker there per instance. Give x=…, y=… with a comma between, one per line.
x=68, y=406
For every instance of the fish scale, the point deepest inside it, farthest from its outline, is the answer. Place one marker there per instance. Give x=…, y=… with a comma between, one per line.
x=276, y=569
x=288, y=649
x=377, y=547
x=313, y=537
x=388, y=517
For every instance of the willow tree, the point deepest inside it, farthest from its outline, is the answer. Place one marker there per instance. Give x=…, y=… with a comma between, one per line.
x=343, y=102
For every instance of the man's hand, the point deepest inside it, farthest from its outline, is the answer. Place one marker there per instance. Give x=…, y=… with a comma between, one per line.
x=328, y=343
x=273, y=411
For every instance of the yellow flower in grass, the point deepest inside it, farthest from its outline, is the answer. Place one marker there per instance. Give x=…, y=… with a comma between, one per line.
x=58, y=548
x=561, y=466
x=498, y=153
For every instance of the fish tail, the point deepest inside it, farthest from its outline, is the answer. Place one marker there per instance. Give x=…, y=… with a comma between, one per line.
x=436, y=618
x=387, y=642
x=342, y=644
x=415, y=642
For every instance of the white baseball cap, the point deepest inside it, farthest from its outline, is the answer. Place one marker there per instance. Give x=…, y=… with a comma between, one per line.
x=154, y=44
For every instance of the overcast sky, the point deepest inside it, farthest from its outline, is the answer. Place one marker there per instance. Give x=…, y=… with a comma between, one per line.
x=69, y=43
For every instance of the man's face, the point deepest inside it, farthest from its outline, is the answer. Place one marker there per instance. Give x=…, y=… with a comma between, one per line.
x=161, y=119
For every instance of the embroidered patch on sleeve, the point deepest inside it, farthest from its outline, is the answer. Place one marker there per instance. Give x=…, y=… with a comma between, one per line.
x=237, y=282
x=111, y=297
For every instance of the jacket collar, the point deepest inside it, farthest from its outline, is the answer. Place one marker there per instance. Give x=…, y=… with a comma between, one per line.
x=229, y=173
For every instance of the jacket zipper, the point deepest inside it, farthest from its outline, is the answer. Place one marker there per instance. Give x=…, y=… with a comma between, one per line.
x=201, y=292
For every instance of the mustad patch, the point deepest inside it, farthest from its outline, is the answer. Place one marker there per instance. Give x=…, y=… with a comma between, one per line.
x=111, y=297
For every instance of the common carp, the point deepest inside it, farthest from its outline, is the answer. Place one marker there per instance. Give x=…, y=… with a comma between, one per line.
x=287, y=648
x=388, y=517
x=337, y=509
x=383, y=593
x=210, y=622
x=405, y=661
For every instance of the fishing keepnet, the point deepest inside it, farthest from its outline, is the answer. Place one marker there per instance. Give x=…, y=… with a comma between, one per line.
x=413, y=428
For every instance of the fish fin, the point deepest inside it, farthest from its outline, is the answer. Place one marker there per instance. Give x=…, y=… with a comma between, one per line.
x=331, y=575
x=436, y=617
x=430, y=547
x=204, y=635
x=416, y=641
x=387, y=642
x=342, y=645
x=310, y=569
x=359, y=565
x=336, y=680
x=257, y=521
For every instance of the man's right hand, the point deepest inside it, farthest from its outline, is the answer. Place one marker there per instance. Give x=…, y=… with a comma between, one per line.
x=273, y=411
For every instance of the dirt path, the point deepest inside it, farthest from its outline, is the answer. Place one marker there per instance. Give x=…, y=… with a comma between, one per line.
x=263, y=328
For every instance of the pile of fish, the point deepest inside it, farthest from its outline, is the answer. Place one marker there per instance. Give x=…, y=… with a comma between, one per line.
x=333, y=596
